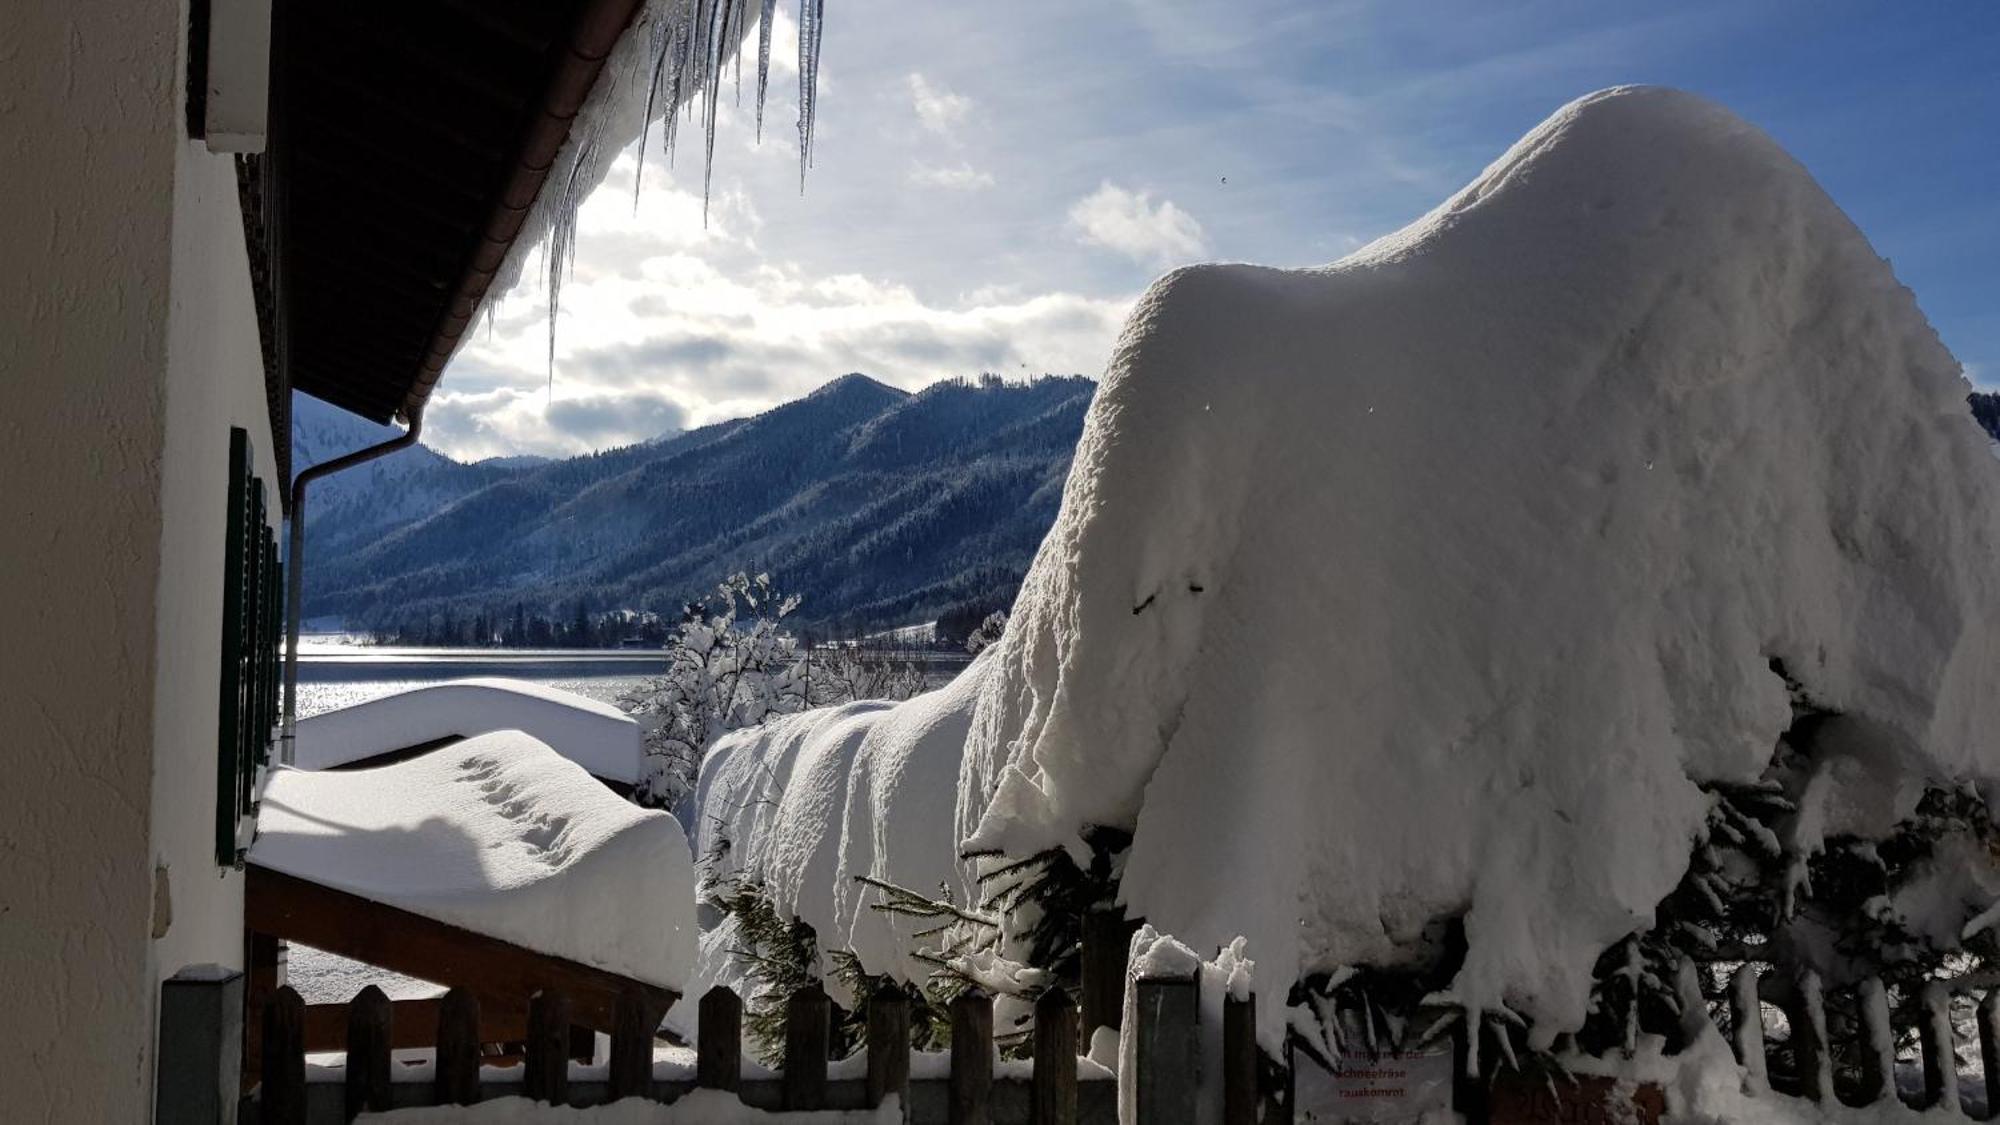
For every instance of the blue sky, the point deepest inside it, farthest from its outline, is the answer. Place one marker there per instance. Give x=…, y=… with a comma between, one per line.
x=994, y=183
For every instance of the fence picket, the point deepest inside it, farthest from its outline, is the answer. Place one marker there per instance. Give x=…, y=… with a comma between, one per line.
x=1878, y=1042
x=808, y=1029
x=456, y=1081
x=369, y=1016
x=1055, y=1059
x=1239, y=1060
x=547, y=1076
x=1168, y=1058
x=1746, y=1024
x=631, y=1069
x=284, y=1059
x=1809, y=1040
x=1935, y=1040
x=1107, y=945
x=1989, y=1049
x=971, y=1059
x=719, y=1047
x=888, y=1045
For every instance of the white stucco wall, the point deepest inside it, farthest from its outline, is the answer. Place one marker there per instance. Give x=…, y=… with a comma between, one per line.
x=127, y=346
x=215, y=380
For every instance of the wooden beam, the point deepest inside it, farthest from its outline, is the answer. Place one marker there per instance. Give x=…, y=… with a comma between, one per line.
x=415, y=1024
x=502, y=974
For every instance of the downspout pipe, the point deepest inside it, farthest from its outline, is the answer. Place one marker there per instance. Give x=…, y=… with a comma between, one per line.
x=295, y=559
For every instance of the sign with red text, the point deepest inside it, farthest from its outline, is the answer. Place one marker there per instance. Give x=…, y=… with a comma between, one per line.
x=1388, y=1087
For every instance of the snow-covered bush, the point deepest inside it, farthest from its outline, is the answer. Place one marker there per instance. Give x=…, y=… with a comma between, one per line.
x=729, y=666
x=988, y=632
x=1348, y=672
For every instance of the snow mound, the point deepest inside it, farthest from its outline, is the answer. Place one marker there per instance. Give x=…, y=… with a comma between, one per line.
x=808, y=802
x=1427, y=585
x=594, y=735
x=501, y=835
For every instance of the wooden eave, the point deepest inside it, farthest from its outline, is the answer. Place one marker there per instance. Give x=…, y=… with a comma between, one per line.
x=408, y=141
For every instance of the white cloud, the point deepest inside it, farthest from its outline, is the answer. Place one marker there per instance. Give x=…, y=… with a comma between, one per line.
x=1129, y=223
x=666, y=324
x=937, y=107
x=959, y=177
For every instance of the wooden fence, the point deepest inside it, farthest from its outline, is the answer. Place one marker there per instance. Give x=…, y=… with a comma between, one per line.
x=1867, y=1074
x=1053, y=1093
x=1849, y=1059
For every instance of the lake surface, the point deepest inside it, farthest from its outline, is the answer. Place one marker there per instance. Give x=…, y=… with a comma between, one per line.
x=333, y=674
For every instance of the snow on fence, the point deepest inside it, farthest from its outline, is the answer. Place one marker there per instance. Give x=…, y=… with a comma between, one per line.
x=1869, y=1079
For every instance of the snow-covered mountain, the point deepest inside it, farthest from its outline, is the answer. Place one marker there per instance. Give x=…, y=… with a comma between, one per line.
x=878, y=505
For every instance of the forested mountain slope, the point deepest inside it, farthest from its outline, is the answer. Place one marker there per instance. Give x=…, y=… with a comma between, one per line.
x=880, y=506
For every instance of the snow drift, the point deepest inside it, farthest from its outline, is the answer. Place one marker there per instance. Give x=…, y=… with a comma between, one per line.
x=501, y=835
x=1427, y=585
x=808, y=802
x=594, y=735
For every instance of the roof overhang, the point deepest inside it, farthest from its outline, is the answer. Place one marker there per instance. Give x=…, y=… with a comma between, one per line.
x=409, y=141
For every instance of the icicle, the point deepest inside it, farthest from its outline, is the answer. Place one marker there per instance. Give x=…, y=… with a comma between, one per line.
x=768, y=16
x=812, y=14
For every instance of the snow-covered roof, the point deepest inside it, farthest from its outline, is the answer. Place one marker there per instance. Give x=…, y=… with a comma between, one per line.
x=597, y=736
x=1429, y=584
x=501, y=835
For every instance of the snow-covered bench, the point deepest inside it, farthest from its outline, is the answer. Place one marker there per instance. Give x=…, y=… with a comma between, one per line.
x=597, y=736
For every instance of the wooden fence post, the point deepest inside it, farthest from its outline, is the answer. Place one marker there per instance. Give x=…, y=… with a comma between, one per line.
x=971, y=1059
x=1935, y=1039
x=1810, y=1045
x=1989, y=1049
x=369, y=1016
x=718, y=1063
x=1055, y=1059
x=888, y=1044
x=1239, y=1060
x=283, y=1059
x=1746, y=1024
x=1107, y=946
x=547, y=1076
x=1878, y=1042
x=808, y=1030
x=456, y=1081
x=1168, y=1059
x=633, y=1024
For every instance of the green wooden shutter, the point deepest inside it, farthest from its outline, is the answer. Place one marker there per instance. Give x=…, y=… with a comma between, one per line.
x=248, y=700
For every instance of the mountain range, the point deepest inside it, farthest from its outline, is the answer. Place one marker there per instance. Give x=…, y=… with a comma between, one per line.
x=878, y=506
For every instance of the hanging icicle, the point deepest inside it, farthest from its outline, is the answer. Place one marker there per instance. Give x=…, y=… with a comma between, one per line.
x=675, y=52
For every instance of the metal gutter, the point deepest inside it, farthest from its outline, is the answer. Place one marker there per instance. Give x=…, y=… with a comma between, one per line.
x=295, y=558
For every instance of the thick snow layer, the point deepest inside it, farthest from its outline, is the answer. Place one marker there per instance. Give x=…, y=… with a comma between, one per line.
x=1429, y=583
x=501, y=835
x=594, y=735
x=808, y=802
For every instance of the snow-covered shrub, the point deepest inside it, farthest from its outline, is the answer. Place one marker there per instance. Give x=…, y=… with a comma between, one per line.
x=841, y=674
x=989, y=631
x=1346, y=670
x=729, y=666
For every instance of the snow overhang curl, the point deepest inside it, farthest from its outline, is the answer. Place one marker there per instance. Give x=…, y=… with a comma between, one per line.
x=669, y=64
